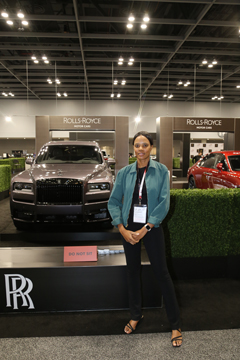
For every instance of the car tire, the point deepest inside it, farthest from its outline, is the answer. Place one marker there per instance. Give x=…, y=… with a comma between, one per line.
x=191, y=183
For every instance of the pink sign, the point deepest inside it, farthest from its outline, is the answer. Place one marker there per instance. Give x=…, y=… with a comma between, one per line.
x=80, y=253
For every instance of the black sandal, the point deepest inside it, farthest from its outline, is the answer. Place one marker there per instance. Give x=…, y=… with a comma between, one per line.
x=177, y=338
x=131, y=328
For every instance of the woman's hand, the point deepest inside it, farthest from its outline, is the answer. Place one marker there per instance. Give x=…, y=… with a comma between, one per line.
x=138, y=235
x=128, y=235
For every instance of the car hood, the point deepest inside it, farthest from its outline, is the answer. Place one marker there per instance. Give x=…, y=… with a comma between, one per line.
x=84, y=172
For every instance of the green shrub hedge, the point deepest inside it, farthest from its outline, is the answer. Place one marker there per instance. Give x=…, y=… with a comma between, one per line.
x=176, y=163
x=12, y=165
x=5, y=177
x=203, y=223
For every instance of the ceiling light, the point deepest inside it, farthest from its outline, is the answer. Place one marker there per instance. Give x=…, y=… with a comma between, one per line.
x=8, y=118
x=36, y=61
x=25, y=22
x=129, y=26
x=131, y=59
x=186, y=84
x=238, y=86
x=210, y=65
x=46, y=61
x=115, y=82
x=44, y=57
x=11, y=94
x=180, y=82
x=4, y=14
x=137, y=119
x=33, y=57
x=9, y=22
x=123, y=82
x=49, y=80
x=20, y=14
x=121, y=58
x=204, y=61
x=65, y=94
x=120, y=63
x=130, y=63
x=146, y=18
x=164, y=95
x=214, y=62
x=4, y=94
x=131, y=18
x=58, y=94
x=118, y=95
x=170, y=96
x=112, y=95
x=143, y=26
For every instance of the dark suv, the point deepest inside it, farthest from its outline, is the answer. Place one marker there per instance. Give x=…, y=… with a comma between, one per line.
x=69, y=181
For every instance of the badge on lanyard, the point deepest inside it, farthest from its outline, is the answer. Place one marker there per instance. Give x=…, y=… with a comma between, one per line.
x=139, y=210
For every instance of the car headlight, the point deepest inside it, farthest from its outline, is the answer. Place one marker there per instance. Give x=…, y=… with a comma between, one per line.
x=98, y=187
x=23, y=187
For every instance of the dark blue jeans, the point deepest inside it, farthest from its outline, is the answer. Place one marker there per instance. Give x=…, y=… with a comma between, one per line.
x=155, y=247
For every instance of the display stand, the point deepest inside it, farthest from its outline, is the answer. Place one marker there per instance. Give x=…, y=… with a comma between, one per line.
x=37, y=280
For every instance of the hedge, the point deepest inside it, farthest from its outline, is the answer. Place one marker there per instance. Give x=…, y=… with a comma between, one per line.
x=176, y=163
x=5, y=177
x=9, y=161
x=203, y=223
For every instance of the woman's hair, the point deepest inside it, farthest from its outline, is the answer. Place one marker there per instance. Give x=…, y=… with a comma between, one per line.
x=143, y=133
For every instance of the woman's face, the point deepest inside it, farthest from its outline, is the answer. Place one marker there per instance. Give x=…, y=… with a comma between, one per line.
x=142, y=148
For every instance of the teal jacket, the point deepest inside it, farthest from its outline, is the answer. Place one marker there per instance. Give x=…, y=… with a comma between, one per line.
x=158, y=193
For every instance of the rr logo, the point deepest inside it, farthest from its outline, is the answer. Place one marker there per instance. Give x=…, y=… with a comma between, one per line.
x=16, y=290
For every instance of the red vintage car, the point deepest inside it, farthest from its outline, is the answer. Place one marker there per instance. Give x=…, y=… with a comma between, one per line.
x=219, y=169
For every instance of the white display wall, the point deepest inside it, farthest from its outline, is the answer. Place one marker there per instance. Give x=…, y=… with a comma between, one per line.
x=23, y=113
x=206, y=147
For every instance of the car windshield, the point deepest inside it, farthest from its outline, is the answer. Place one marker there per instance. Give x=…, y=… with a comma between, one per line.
x=234, y=162
x=69, y=154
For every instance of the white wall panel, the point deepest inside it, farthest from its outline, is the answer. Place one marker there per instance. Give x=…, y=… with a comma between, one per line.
x=23, y=113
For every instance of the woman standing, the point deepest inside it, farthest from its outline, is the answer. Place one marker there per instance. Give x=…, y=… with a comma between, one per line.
x=138, y=204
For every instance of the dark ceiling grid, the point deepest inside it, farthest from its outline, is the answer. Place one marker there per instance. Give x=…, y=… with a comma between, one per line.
x=84, y=38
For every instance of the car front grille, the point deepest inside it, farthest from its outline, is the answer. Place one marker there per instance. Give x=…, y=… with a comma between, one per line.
x=59, y=191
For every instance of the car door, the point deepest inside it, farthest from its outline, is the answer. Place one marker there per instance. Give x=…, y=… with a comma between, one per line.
x=220, y=178
x=207, y=167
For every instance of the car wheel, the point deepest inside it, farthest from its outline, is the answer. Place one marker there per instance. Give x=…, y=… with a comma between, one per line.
x=191, y=183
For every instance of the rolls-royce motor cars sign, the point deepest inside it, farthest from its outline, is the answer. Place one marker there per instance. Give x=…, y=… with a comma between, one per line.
x=203, y=124
x=82, y=122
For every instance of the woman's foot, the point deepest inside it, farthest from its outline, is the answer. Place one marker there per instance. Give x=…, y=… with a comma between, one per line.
x=176, y=338
x=131, y=326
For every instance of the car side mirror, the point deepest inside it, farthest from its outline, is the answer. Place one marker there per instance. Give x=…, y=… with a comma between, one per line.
x=219, y=166
x=111, y=162
x=29, y=161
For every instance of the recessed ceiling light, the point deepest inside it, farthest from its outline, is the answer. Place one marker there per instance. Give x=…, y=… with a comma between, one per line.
x=4, y=14
x=20, y=14
x=129, y=26
x=131, y=18
x=146, y=18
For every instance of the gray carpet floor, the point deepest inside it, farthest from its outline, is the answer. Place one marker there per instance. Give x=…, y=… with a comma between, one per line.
x=198, y=345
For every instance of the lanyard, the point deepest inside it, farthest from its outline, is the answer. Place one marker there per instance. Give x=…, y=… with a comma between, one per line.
x=141, y=188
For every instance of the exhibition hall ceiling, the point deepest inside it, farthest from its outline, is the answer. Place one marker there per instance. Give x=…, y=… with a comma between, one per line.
x=79, y=43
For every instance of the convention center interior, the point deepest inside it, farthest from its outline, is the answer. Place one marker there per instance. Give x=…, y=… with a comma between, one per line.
x=81, y=81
